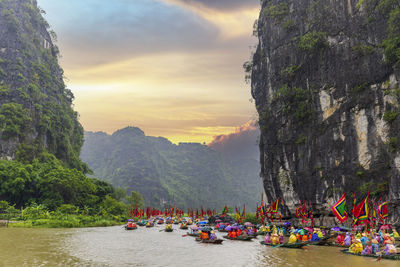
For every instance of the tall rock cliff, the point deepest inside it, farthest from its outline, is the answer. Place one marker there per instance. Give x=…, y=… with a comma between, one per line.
x=325, y=79
x=35, y=106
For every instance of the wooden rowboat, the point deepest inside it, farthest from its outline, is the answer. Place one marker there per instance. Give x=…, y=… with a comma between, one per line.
x=239, y=238
x=209, y=241
x=286, y=245
x=395, y=257
x=322, y=242
x=195, y=235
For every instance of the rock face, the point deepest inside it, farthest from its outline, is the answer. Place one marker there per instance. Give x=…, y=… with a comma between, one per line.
x=326, y=85
x=35, y=106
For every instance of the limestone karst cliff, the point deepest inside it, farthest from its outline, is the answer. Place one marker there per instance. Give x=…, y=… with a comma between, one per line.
x=325, y=79
x=35, y=106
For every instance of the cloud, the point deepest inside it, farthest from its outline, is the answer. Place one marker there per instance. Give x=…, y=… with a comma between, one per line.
x=220, y=4
x=233, y=18
x=243, y=141
x=169, y=67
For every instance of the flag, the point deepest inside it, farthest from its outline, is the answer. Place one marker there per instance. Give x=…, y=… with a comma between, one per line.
x=383, y=211
x=339, y=209
x=298, y=212
x=275, y=206
x=361, y=212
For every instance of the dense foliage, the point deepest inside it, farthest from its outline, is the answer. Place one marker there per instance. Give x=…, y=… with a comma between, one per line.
x=187, y=175
x=35, y=106
x=48, y=182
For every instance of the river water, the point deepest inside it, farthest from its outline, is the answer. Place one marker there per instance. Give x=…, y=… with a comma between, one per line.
x=114, y=246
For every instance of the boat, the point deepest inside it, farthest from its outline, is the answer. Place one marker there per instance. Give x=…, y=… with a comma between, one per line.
x=184, y=227
x=169, y=230
x=195, y=235
x=149, y=225
x=239, y=238
x=209, y=241
x=130, y=227
x=395, y=257
x=287, y=245
x=322, y=242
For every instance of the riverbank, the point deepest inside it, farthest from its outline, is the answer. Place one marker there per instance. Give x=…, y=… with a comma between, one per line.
x=53, y=223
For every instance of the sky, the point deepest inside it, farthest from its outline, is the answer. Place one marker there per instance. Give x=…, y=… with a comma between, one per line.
x=170, y=67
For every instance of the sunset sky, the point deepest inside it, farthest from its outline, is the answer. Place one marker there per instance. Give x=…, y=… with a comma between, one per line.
x=170, y=67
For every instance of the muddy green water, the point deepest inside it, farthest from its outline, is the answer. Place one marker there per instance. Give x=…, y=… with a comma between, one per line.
x=113, y=246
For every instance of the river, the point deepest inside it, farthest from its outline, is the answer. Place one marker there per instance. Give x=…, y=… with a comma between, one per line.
x=114, y=246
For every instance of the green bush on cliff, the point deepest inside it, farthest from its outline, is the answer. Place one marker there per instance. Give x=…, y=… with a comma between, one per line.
x=14, y=120
x=296, y=102
x=313, y=41
x=390, y=116
x=278, y=12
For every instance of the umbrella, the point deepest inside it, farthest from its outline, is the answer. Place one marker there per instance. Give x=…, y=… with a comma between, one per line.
x=218, y=221
x=286, y=223
x=308, y=229
x=203, y=222
x=235, y=227
x=229, y=228
x=248, y=224
x=385, y=227
x=130, y=220
x=206, y=229
x=194, y=227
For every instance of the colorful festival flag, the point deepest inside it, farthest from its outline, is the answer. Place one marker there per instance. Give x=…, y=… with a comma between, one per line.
x=339, y=209
x=383, y=211
x=361, y=214
x=274, y=207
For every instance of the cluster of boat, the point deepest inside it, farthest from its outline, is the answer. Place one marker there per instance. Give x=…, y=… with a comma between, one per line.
x=374, y=243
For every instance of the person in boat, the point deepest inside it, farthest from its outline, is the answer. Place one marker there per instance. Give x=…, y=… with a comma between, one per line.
x=274, y=229
x=340, y=239
x=267, y=239
x=239, y=232
x=304, y=238
x=205, y=236
x=389, y=249
x=250, y=231
x=298, y=236
x=364, y=239
x=320, y=234
x=129, y=225
x=292, y=238
x=368, y=249
x=358, y=235
x=356, y=247
x=281, y=238
x=375, y=246
x=315, y=237
x=213, y=236
x=386, y=239
x=347, y=240
x=168, y=227
x=395, y=233
x=274, y=239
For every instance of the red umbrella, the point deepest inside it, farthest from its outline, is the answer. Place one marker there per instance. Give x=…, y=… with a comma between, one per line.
x=385, y=227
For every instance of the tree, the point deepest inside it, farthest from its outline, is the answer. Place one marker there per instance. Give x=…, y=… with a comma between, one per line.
x=135, y=200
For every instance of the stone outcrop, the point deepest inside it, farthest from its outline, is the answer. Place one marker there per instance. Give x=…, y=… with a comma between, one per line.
x=327, y=94
x=35, y=105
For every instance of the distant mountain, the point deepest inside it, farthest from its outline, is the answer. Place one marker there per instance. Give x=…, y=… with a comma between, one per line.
x=187, y=175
